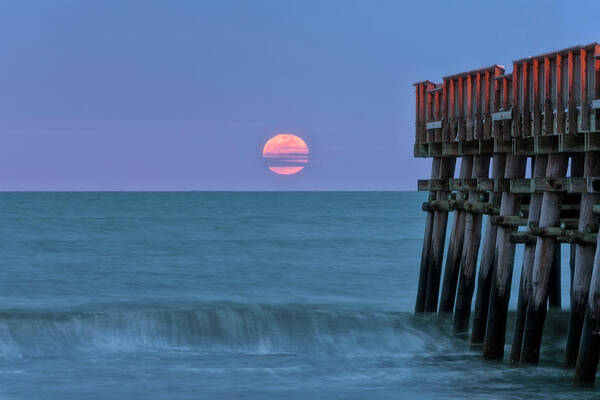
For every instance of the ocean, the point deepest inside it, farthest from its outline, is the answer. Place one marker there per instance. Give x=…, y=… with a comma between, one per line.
x=237, y=295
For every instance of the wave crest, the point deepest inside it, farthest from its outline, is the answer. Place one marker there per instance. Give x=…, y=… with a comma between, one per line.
x=222, y=327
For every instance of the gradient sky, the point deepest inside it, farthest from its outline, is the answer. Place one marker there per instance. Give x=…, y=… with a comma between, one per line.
x=182, y=95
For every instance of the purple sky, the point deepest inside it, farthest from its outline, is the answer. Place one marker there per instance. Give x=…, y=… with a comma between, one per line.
x=182, y=95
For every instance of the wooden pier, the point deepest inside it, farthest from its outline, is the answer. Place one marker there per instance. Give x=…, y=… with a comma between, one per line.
x=545, y=114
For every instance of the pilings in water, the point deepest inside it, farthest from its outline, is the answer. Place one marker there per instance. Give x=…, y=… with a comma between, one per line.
x=545, y=249
x=495, y=334
x=488, y=259
x=472, y=232
x=426, y=253
x=584, y=261
x=546, y=111
x=587, y=358
x=525, y=285
x=440, y=220
x=554, y=285
x=453, y=257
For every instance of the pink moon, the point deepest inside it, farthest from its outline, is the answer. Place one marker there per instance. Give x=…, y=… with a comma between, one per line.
x=286, y=153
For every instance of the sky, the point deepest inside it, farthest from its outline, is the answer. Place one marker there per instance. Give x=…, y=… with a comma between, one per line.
x=182, y=95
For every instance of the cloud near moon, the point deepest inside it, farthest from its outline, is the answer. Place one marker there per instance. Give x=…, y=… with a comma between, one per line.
x=286, y=154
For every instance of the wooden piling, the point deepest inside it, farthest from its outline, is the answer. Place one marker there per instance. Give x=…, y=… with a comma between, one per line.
x=486, y=265
x=426, y=252
x=554, y=294
x=440, y=220
x=543, y=260
x=587, y=358
x=495, y=336
x=423, y=112
x=584, y=259
x=535, y=206
x=577, y=161
x=455, y=246
x=539, y=165
x=488, y=259
x=472, y=238
x=554, y=285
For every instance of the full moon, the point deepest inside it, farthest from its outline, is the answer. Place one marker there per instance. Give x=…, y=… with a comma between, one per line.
x=286, y=154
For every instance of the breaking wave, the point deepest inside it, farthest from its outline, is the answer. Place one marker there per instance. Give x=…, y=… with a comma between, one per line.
x=222, y=327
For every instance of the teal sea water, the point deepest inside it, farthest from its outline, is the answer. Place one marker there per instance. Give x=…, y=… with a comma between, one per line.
x=235, y=295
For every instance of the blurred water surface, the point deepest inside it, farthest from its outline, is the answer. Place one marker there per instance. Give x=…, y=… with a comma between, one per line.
x=235, y=295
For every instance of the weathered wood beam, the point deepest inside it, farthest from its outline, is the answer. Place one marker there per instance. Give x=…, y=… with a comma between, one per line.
x=455, y=246
x=535, y=206
x=584, y=115
x=486, y=265
x=537, y=112
x=421, y=150
x=452, y=119
x=571, y=143
x=487, y=128
x=478, y=106
x=509, y=221
x=577, y=170
x=427, y=185
x=436, y=205
x=596, y=112
x=526, y=238
x=440, y=222
x=572, y=104
x=438, y=116
x=461, y=111
x=506, y=124
x=526, y=114
x=450, y=149
x=469, y=122
x=516, y=114
x=426, y=250
x=589, y=349
x=560, y=106
x=418, y=114
x=470, y=251
x=548, y=121
x=562, y=236
x=544, y=254
x=445, y=116
x=554, y=286
x=584, y=259
x=495, y=333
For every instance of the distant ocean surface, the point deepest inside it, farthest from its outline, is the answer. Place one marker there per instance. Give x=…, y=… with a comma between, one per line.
x=207, y=295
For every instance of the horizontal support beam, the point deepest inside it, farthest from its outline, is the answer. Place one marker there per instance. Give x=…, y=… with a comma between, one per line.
x=547, y=232
x=463, y=184
x=581, y=237
x=429, y=185
x=436, y=205
x=480, y=207
x=509, y=220
x=589, y=184
x=561, y=235
x=534, y=145
x=524, y=237
x=539, y=185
